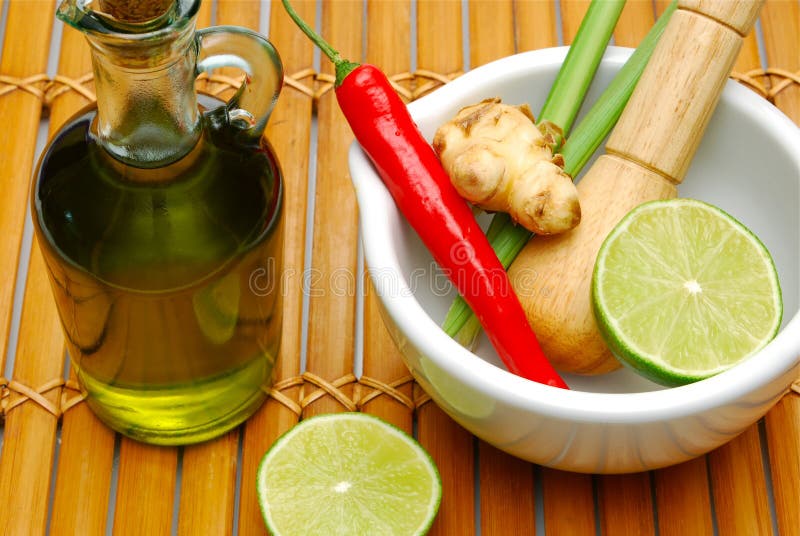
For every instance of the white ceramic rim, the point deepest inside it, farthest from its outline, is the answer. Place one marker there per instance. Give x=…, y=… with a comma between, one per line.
x=378, y=209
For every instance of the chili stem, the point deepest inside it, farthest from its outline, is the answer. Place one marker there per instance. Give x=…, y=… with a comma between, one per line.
x=508, y=239
x=343, y=66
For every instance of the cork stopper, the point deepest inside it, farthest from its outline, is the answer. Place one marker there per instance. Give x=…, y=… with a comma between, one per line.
x=133, y=11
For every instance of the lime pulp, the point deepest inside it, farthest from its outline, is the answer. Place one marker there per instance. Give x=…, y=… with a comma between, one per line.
x=347, y=474
x=682, y=291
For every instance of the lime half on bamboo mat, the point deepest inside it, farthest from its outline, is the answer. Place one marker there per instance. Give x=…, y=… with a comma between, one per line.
x=682, y=291
x=347, y=474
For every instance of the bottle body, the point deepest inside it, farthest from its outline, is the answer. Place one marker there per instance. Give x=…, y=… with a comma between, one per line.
x=165, y=278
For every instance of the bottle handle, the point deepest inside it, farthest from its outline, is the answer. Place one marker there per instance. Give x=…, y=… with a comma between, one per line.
x=233, y=46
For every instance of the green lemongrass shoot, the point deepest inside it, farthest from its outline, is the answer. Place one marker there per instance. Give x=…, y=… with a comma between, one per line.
x=507, y=238
x=576, y=73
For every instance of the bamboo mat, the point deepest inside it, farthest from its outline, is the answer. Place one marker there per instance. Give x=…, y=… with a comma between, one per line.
x=62, y=472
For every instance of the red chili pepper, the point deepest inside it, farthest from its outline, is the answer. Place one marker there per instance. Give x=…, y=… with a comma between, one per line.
x=424, y=194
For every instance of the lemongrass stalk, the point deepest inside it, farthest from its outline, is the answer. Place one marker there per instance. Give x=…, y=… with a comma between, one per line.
x=576, y=73
x=507, y=238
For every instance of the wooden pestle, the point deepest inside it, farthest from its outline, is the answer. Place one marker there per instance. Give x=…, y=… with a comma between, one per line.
x=647, y=156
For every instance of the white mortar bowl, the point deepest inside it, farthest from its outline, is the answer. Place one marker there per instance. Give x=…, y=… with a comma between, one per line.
x=748, y=164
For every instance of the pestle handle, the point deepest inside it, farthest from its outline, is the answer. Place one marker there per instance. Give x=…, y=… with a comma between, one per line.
x=740, y=16
x=668, y=112
x=648, y=154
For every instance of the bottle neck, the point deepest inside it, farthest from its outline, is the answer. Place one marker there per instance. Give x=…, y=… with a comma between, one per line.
x=147, y=114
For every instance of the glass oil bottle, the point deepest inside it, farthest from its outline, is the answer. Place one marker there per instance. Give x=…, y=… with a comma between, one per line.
x=159, y=219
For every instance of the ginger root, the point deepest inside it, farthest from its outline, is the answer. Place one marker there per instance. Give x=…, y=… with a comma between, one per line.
x=499, y=160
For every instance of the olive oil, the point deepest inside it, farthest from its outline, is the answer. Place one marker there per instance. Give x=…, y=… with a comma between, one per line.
x=158, y=214
x=164, y=278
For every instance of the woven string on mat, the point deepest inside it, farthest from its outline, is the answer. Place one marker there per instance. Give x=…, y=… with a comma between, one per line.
x=766, y=82
x=58, y=395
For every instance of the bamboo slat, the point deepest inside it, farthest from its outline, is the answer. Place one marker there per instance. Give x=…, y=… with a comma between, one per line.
x=451, y=448
x=748, y=57
x=239, y=13
x=490, y=41
x=739, y=487
x=572, y=12
x=507, y=493
x=683, y=500
x=30, y=429
x=334, y=255
x=25, y=51
x=568, y=503
x=439, y=46
x=625, y=504
x=381, y=359
x=661, y=5
x=204, y=15
x=781, y=25
x=145, y=490
x=439, y=50
x=783, y=436
x=83, y=478
x=260, y=432
x=87, y=446
x=535, y=25
x=635, y=21
x=382, y=363
x=289, y=132
x=208, y=486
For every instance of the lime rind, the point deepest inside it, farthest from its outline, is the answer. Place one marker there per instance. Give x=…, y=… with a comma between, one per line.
x=347, y=473
x=718, y=314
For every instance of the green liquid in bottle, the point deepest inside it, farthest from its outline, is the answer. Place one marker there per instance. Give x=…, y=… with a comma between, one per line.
x=166, y=279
